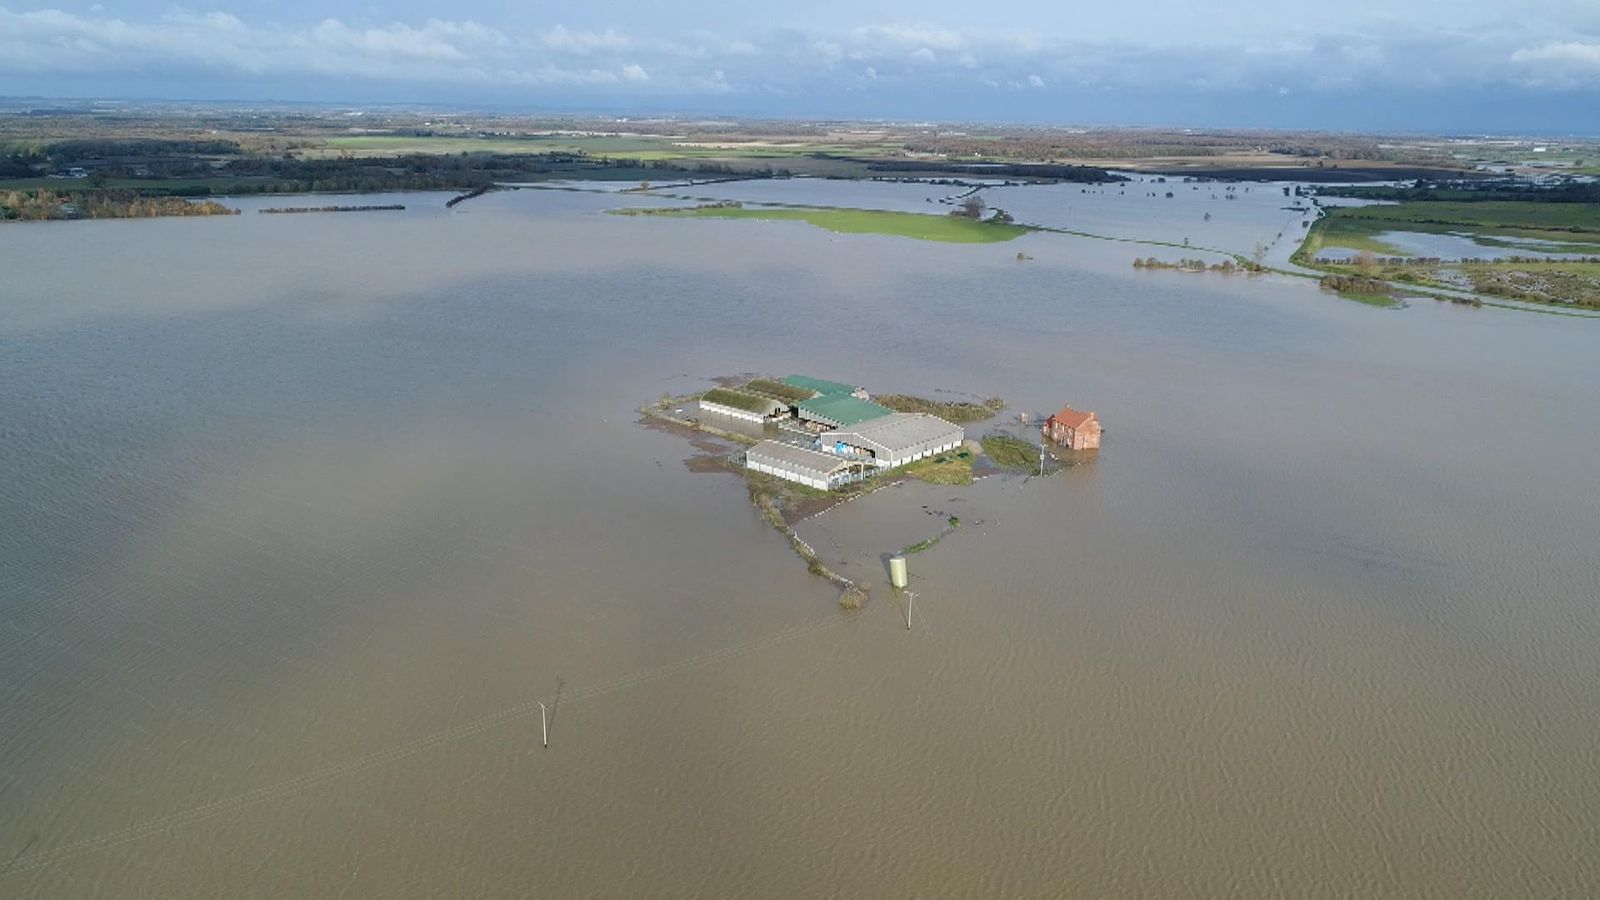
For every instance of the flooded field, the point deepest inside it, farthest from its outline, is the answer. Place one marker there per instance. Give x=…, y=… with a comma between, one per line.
x=305, y=515
x=1465, y=245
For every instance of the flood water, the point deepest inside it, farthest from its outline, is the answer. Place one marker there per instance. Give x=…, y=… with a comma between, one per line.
x=1462, y=246
x=302, y=516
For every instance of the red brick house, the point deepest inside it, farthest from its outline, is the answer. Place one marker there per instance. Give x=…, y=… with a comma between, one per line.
x=1073, y=429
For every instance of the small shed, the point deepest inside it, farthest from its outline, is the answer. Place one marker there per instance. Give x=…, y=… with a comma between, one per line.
x=1073, y=429
x=822, y=471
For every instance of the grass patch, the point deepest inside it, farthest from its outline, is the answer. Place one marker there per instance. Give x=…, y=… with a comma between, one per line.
x=1010, y=452
x=947, y=229
x=1349, y=234
x=946, y=468
x=778, y=390
x=949, y=410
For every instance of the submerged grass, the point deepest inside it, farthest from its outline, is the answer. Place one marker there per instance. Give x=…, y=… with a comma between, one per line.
x=946, y=468
x=1010, y=452
x=1557, y=282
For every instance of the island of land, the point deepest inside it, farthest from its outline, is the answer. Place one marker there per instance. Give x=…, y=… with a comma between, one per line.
x=804, y=444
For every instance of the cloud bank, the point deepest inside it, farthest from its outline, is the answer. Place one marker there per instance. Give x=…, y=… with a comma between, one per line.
x=800, y=67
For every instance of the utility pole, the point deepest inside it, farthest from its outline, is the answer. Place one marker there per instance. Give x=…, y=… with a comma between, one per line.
x=911, y=599
x=544, y=724
x=1041, y=457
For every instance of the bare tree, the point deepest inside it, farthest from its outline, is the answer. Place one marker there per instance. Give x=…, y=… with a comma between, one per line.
x=973, y=207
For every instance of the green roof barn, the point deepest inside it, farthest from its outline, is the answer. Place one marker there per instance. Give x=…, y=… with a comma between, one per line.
x=824, y=387
x=840, y=410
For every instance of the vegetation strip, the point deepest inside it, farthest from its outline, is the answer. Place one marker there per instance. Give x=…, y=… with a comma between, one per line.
x=920, y=226
x=960, y=411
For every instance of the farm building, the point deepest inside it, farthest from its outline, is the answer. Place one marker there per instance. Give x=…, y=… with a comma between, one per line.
x=839, y=410
x=778, y=390
x=742, y=405
x=824, y=388
x=894, y=439
x=822, y=471
x=1073, y=429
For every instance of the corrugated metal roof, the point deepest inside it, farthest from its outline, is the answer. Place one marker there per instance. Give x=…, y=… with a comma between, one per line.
x=842, y=408
x=819, y=385
x=899, y=430
x=823, y=464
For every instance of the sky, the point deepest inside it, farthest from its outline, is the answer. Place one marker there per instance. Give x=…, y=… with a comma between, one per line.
x=1462, y=66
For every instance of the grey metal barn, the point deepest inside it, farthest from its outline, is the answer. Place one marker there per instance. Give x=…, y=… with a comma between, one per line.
x=822, y=471
x=895, y=439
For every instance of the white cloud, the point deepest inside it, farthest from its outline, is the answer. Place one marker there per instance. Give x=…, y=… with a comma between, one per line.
x=1570, y=55
x=584, y=42
x=918, y=36
x=1531, y=54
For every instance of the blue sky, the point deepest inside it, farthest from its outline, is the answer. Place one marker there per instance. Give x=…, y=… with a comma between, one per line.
x=1426, y=65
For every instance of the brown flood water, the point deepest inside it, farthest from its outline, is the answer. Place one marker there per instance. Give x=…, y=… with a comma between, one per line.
x=301, y=517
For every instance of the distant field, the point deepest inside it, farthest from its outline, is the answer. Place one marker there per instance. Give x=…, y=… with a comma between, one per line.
x=1580, y=217
x=642, y=148
x=215, y=185
x=948, y=229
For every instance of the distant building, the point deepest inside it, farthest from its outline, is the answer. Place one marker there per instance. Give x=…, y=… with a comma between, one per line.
x=839, y=410
x=822, y=471
x=895, y=439
x=822, y=387
x=1073, y=429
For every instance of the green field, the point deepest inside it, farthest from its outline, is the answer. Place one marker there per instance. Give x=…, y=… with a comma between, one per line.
x=948, y=229
x=622, y=146
x=1484, y=215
